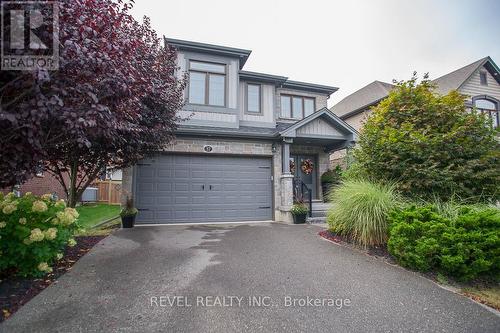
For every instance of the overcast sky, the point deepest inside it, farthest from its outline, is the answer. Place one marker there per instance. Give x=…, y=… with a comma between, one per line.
x=346, y=44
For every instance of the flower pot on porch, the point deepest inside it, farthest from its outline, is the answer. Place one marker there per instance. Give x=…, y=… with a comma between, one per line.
x=299, y=218
x=128, y=221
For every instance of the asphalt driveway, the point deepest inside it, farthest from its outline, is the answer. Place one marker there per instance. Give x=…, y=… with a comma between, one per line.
x=262, y=275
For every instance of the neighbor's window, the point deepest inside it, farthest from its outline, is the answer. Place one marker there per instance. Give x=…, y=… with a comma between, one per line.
x=253, y=98
x=489, y=108
x=483, y=78
x=207, y=83
x=296, y=107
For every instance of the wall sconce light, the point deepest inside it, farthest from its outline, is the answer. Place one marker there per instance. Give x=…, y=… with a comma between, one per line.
x=273, y=148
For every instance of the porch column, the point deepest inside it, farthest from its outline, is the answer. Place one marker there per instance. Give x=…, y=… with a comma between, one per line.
x=286, y=158
x=286, y=182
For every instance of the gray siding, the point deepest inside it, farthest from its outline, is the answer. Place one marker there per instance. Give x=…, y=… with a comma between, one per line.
x=318, y=127
x=213, y=115
x=473, y=86
x=267, y=104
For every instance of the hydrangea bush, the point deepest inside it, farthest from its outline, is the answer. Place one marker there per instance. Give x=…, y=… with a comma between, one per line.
x=34, y=232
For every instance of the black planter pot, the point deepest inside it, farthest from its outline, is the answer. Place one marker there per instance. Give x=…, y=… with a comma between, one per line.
x=299, y=219
x=128, y=221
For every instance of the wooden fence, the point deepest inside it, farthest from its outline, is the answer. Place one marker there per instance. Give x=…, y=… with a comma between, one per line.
x=109, y=191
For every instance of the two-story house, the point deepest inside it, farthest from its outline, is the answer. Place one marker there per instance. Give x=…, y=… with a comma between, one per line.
x=479, y=82
x=249, y=141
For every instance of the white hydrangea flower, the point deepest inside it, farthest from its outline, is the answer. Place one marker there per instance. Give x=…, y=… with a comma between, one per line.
x=22, y=220
x=50, y=233
x=36, y=235
x=44, y=267
x=9, y=208
x=2, y=224
x=39, y=206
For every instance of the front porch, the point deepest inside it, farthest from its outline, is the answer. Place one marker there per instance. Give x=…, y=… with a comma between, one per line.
x=305, y=150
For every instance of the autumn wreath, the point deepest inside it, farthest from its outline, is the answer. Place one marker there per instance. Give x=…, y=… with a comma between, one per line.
x=307, y=166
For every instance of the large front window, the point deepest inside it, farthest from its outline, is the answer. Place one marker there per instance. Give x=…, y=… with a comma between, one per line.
x=207, y=83
x=296, y=107
x=490, y=108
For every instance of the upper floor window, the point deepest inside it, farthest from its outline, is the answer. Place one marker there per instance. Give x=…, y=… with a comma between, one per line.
x=483, y=78
x=253, y=98
x=296, y=107
x=489, y=108
x=207, y=83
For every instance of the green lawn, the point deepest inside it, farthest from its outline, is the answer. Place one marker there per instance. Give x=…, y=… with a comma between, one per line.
x=92, y=214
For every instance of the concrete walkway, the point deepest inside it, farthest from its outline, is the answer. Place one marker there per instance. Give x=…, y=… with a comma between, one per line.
x=257, y=271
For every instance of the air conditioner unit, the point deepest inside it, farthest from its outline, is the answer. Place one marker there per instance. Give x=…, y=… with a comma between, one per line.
x=90, y=194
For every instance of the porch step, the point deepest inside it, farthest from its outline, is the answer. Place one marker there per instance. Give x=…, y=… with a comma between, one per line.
x=321, y=206
x=319, y=213
x=316, y=220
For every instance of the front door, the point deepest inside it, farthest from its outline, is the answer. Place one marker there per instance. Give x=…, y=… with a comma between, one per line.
x=304, y=168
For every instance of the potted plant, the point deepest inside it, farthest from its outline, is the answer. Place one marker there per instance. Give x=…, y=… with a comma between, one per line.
x=329, y=179
x=128, y=214
x=299, y=212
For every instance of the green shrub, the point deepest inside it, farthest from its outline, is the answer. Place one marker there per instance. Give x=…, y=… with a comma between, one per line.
x=354, y=172
x=329, y=180
x=360, y=209
x=34, y=231
x=129, y=209
x=332, y=176
x=299, y=209
x=431, y=145
x=465, y=246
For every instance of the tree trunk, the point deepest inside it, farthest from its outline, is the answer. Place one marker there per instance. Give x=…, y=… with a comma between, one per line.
x=72, y=190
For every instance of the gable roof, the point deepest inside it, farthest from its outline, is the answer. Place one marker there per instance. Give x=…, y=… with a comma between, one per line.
x=376, y=91
x=457, y=78
x=362, y=98
x=325, y=114
x=241, y=54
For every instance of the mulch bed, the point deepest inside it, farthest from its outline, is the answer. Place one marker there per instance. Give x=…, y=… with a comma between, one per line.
x=16, y=291
x=374, y=251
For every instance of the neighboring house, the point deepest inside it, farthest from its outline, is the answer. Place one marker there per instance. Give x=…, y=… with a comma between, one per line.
x=479, y=81
x=248, y=139
x=41, y=183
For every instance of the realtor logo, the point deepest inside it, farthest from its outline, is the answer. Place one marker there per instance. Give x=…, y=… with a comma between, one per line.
x=30, y=35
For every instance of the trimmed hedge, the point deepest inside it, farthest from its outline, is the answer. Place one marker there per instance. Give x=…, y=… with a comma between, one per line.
x=465, y=246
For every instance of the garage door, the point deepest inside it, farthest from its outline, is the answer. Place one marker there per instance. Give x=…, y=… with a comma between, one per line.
x=203, y=188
